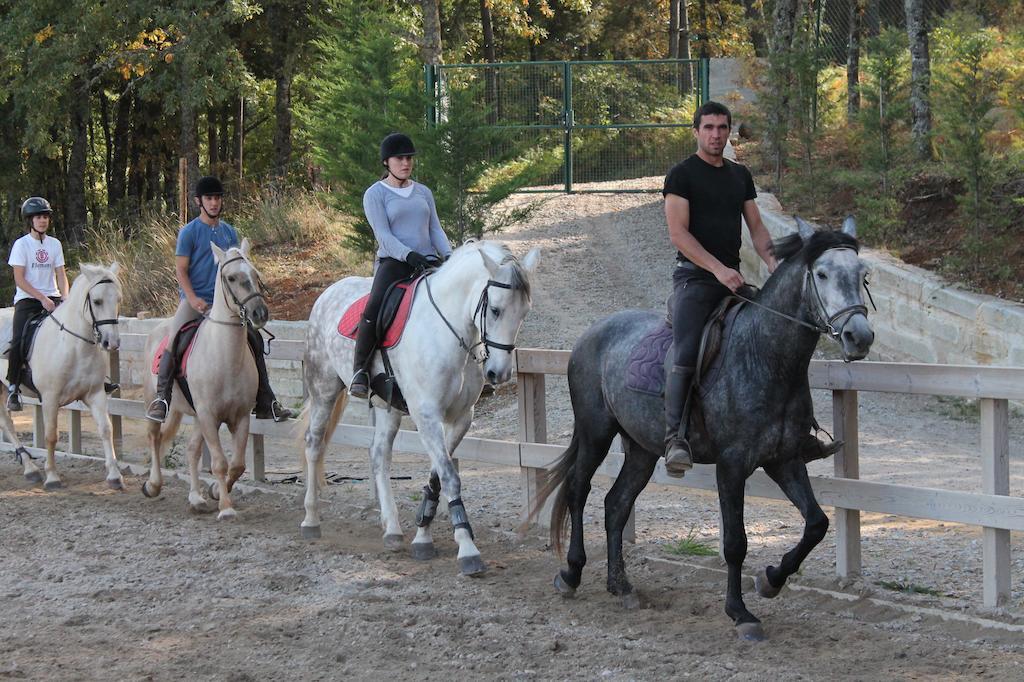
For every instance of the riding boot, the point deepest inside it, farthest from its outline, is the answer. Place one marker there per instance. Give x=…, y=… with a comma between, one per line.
x=366, y=339
x=678, y=459
x=14, y=380
x=267, y=406
x=812, y=448
x=157, y=410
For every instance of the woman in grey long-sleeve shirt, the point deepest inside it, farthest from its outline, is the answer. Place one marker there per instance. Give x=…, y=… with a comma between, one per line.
x=409, y=238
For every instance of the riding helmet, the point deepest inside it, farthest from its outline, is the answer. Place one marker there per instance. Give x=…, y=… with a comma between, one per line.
x=35, y=206
x=396, y=144
x=209, y=186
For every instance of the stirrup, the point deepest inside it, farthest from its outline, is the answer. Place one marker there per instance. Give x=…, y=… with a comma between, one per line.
x=678, y=459
x=359, y=387
x=157, y=410
x=14, y=400
x=278, y=412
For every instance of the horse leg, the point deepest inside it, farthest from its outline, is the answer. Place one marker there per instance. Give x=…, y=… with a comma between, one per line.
x=592, y=443
x=240, y=437
x=193, y=454
x=50, y=408
x=29, y=469
x=160, y=437
x=326, y=404
x=386, y=424
x=97, y=403
x=731, y=482
x=791, y=475
x=219, y=467
x=618, y=503
x=423, y=543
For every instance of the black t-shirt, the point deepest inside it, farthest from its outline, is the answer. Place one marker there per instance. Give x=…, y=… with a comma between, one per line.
x=716, y=195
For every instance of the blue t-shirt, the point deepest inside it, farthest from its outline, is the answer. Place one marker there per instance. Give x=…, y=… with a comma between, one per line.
x=194, y=241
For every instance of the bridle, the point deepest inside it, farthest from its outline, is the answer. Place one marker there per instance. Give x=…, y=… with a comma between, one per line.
x=480, y=311
x=261, y=292
x=826, y=323
x=96, y=324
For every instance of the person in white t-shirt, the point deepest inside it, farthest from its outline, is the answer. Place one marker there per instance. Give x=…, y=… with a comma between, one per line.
x=42, y=283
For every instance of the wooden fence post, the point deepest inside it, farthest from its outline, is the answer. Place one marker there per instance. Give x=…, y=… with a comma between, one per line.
x=533, y=428
x=75, y=432
x=847, y=465
x=115, y=419
x=995, y=476
x=259, y=468
x=38, y=432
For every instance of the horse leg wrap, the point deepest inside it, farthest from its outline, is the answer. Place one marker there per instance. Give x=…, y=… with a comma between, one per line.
x=428, y=507
x=21, y=454
x=457, y=512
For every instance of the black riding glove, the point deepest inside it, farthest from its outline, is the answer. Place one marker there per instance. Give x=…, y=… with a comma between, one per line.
x=417, y=260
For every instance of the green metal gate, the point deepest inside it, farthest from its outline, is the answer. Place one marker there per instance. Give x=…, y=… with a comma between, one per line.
x=619, y=123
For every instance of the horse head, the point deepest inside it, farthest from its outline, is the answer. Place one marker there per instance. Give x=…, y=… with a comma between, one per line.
x=241, y=286
x=835, y=280
x=101, y=301
x=502, y=307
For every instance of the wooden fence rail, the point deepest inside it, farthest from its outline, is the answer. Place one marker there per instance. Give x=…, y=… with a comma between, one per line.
x=993, y=509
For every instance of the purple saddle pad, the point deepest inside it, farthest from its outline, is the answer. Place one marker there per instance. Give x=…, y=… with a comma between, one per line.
x=645, y=371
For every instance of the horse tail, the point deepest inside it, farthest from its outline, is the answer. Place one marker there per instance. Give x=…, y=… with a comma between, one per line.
x=552, y=480
x=302, y=426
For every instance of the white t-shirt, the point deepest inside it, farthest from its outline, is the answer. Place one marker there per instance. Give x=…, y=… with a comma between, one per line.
x=40, y=261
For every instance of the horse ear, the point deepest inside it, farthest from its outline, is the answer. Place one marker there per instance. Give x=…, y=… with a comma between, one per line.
x=115, y=268
x=850, y=226
x=532, y=260
x=245, y=247
x=492, y=267
x=218, y=253
x=805, y=229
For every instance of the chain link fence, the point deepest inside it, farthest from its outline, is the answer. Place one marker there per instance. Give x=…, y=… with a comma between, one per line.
x=833, y=18
x=581, y=122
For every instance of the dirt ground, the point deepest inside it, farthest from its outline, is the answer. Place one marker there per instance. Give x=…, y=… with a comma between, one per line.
x=103, y=584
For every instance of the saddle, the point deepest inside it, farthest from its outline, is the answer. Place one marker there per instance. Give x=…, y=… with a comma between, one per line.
x=391, y=319
x=645, y=371
x=181, y=349
x=28, y=342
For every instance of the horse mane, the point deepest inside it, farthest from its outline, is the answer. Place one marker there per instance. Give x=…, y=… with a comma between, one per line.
x=811, y=249
x=89, y=274
x=500, y=254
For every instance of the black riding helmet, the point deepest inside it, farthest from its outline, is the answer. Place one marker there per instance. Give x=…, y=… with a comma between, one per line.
x=209, y=186
x=396, y=144
x=34, y=206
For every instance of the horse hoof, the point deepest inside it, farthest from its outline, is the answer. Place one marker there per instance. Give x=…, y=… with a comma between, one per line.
x=563, y=587
x=212, y=491
x=394, y=542
x=423, y=551
x=631, y=601
x=310, y=532
x=53, y=485
x=750, y=632
x=472, y=565
x=228, y=514
x=148, y=492
x=115, y=484
x=765, y=588
x=34, y=477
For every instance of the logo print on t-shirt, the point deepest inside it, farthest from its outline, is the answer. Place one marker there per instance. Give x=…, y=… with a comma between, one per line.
x=42, y=255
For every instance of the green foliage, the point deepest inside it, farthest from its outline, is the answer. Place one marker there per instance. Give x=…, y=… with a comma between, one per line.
x=689, y=546
x=966, y=86
x=886, y=102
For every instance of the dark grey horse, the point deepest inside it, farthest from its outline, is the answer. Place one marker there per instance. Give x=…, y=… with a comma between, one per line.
x=757, y=413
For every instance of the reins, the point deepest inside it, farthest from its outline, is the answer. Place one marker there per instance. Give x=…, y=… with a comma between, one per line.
x=481, y=311
x=96, y=324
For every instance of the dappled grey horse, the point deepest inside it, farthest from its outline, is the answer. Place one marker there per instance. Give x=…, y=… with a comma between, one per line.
x=756, y=413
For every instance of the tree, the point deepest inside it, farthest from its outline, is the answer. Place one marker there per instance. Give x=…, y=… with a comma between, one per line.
x=853, y=61
x=920, y=77
x=779, y=80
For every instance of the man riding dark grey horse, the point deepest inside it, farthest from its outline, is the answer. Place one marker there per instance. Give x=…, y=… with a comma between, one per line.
x=705, y=196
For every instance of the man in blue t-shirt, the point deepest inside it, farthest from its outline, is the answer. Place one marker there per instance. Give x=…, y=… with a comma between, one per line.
x=196, y=271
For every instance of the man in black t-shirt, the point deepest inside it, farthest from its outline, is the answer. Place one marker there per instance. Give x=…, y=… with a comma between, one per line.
x=705, y=196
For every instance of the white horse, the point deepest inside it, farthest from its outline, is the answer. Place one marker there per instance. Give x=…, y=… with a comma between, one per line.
x=461, y=329
x=68, y=364
x=222, y=379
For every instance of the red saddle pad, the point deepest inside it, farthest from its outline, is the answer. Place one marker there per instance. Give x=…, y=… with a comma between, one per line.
x=162, y=348
x=349, y=323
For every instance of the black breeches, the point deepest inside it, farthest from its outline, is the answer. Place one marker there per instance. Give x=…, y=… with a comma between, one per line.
x=24, y=309
x=696, y=295
x=388, y=272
